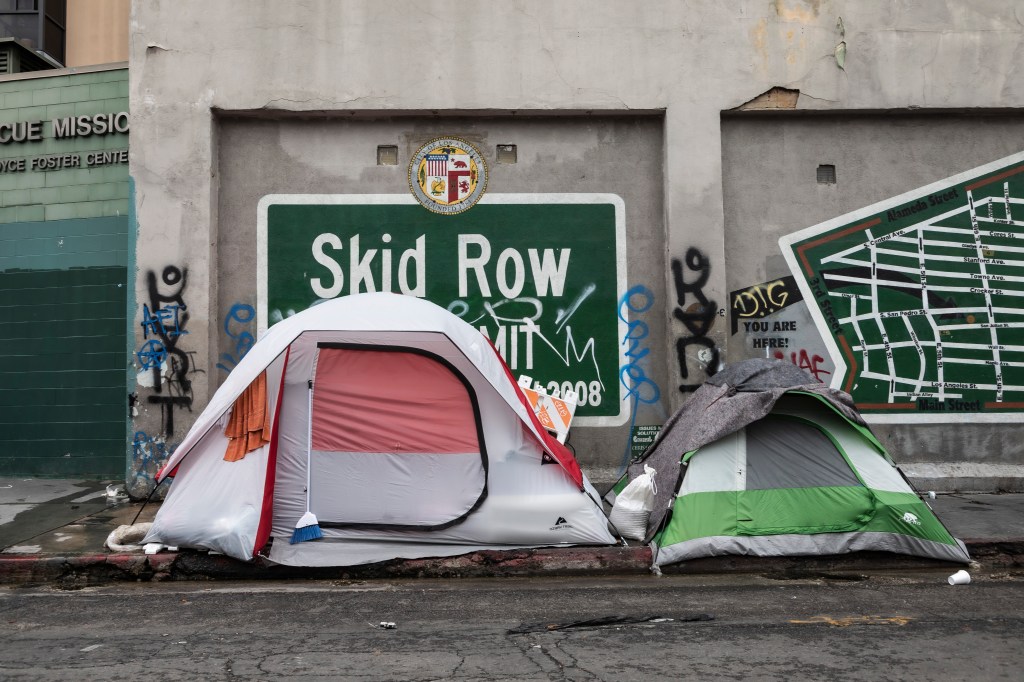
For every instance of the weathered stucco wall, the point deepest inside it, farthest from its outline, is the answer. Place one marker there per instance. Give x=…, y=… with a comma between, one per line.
x=196, y=64
x=875, y=157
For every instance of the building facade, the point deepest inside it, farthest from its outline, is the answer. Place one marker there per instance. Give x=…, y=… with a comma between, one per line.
x=97, y=32
x=65, y=251
x=39, y=24
x=650, y=169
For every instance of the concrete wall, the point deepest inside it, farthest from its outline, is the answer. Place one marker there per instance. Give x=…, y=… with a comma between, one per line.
x=195, y=65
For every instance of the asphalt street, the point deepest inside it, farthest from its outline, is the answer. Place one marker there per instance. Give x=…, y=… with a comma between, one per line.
x=847, y=627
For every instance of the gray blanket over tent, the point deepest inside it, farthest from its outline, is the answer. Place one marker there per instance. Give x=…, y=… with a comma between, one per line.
x=740, y=394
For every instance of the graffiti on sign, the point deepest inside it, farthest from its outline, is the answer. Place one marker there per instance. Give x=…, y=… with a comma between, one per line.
x=539, y=275
x=518, y=336
x=813, y=363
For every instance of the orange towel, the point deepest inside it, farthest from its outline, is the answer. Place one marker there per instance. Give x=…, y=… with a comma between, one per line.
x=248, y=427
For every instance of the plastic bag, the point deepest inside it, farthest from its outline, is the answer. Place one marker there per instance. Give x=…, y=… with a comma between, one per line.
x=633, y=506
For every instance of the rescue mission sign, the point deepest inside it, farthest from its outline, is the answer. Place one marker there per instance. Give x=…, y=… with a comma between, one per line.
x=538, y=274
x=70, y=127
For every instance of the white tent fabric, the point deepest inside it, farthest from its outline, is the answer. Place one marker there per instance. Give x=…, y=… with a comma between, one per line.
x=226, y=506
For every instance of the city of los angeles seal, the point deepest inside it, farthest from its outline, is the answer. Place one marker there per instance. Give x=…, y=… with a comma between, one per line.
x=447, y=175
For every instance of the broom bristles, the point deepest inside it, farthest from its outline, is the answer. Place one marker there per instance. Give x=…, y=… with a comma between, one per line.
x=308, y=528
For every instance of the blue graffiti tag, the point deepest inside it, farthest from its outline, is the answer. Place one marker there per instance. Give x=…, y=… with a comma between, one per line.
x=147, y=450
x=161, y=322
x=639, y=387
x=244, y=341
x=149, y=455
x=152, y=354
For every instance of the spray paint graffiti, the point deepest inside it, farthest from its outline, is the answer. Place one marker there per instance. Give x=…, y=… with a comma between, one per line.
x=239, y=320
x=806, y=361
x=510, y=318
x=163, y=322
x=640, y=388
x=540, y=275
x=164, y=318
x=775, y=322
x=760, y=300
x=698, y=317
x=152, y=355
x=514, y=326
x=148, y=454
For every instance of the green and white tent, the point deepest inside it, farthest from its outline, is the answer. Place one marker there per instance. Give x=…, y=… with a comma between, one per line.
x=764, y=462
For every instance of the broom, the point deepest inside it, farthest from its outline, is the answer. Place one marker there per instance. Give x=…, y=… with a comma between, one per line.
x=308, y=528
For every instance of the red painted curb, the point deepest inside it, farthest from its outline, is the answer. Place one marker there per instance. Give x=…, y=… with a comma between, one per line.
x=102, y=568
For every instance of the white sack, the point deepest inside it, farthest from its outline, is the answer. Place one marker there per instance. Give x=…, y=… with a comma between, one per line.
x=633, y=506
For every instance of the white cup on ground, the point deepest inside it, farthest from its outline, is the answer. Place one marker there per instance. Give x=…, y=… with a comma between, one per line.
x=961, y=577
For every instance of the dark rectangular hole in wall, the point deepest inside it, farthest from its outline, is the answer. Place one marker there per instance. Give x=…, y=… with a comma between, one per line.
x=506, y=153
x=826, y=174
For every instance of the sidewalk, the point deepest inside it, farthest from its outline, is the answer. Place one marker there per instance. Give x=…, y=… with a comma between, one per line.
x=54, y=532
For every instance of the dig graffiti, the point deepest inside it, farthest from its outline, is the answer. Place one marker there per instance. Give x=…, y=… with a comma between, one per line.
x=763, y=299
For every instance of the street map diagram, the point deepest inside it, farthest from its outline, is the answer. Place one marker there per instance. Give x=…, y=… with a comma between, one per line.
x=920, y=299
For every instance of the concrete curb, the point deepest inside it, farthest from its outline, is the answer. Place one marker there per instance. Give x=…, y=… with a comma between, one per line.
x=1006, y=552
x=98, y=569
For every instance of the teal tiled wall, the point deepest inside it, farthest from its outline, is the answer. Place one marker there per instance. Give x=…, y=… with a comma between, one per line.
x=64, y=253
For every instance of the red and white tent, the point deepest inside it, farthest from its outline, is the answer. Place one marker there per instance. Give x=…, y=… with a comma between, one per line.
x=397, y=425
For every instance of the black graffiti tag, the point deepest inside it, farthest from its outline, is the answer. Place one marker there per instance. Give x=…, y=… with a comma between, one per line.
x=697, y=317
x=165, y=318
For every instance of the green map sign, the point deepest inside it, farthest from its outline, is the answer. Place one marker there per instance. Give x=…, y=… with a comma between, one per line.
x=538, y=274
x=920, y=298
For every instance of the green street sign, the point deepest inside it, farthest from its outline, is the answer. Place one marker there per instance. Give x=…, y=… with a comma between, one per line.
x=538, y=274
x=920, y=298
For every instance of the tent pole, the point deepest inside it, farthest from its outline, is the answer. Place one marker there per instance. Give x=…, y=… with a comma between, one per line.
x=308, y=528
x=145, y=502
x=309, y=438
